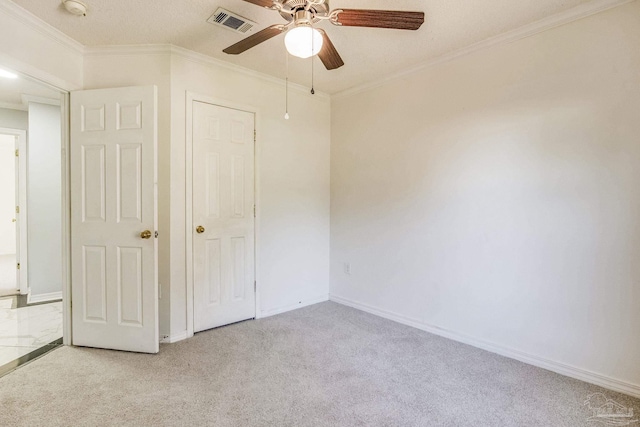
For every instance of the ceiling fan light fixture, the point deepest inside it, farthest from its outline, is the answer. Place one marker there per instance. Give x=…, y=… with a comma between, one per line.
x=303, y=41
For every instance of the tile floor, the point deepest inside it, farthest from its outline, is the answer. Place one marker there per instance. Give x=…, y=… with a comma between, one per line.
x=24, y=330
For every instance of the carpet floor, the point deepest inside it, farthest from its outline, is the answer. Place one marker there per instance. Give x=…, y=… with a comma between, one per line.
x=324, y=365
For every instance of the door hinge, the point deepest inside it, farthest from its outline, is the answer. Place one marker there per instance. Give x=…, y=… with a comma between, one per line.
x=255, y=135
x=17, y=153
x=254, y=211
x=18, y=266
x=255, y=285
x=17, y=209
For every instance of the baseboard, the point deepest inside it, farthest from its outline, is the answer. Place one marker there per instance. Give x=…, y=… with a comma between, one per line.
x=38, y=298
x=170, y=339
x=284, y=309
x=551, y=365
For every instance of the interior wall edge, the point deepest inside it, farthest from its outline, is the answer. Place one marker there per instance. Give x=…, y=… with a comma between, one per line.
x=531, y=359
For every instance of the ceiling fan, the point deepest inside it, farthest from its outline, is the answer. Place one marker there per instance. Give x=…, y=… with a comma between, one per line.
x=304, y=41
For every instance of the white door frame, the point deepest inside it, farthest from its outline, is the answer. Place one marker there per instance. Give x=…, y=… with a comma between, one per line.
x=67, y=331
x=191, y=98
x=21, y=138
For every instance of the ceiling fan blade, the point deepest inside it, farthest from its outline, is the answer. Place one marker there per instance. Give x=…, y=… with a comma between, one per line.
x=254, y=40
x=264, y=3
x=380, y=19
x=329, y=55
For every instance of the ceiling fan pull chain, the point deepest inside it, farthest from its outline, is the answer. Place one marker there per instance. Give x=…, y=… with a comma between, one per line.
x=286, y=88
x=313, y=92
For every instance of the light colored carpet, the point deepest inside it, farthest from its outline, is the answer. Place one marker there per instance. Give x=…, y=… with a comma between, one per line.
x=324, y=365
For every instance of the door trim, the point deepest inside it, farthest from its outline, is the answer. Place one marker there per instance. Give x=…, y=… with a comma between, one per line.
x=22, y=259
x=190, y=99
x=67, y=330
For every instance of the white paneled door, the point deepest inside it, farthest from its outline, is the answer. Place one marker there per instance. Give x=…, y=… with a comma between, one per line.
x=113, y=219
x=223, y=216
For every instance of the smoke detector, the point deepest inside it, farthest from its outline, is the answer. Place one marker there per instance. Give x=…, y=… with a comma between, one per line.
x=75, y=7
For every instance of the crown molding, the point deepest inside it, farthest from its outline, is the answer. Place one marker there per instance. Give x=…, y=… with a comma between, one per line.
x=199, y=58
x=566, y=17
x=40, y=26
x=126, y=50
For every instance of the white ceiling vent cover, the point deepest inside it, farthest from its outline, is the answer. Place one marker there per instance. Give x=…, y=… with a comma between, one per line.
x=231, y=21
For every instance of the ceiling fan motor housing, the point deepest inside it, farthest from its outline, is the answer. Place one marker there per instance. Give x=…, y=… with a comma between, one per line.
x=319, y=7
x=301, y=16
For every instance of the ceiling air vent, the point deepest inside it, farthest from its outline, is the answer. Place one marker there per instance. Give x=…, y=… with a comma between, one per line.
x=231, y=21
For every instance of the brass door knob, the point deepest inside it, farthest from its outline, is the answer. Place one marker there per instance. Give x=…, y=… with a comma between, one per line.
x=199, y=229
x=13, y=220
x=146, y=234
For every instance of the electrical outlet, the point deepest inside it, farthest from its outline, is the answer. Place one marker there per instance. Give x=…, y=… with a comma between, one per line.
x=347, y=268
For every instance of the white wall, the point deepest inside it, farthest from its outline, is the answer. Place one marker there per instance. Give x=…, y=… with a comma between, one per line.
x=292, y=182
x=44, y=198
x=13, y=119
x=7, y=194
x=495, y=197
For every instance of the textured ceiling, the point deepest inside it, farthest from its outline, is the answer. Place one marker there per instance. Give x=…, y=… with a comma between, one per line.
x=369, y=54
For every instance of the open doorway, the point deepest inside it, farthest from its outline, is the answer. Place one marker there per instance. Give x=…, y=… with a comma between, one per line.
x=9, y=246
x=31, y=219
x=13, y=229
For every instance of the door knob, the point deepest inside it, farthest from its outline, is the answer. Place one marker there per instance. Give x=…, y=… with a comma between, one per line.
x=146, y=234
x=199, y=229
x=13, y=220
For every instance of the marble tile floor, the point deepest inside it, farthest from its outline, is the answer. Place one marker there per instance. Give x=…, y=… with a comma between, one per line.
x=27, y=330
